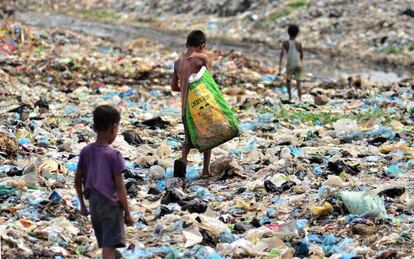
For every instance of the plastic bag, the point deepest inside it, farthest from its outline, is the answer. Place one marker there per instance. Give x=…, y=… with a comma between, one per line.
x=192, y=236
x=212, y=225
x=345, y=126
x=210, y=122
x=363, y=203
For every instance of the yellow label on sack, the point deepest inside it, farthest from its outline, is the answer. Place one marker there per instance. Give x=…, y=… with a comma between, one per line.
x=204, y=109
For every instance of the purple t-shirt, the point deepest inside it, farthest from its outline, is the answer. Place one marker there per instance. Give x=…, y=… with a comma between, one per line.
x=99, y=165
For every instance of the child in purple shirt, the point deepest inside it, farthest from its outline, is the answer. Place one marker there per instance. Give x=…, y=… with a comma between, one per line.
x=99, y=178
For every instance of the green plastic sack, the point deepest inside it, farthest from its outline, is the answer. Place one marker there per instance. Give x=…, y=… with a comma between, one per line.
x=363, y=203
x=5, y=190
x=210, y=122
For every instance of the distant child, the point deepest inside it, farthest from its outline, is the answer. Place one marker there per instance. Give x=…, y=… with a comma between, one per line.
x=187, y=64
x=99, y=178
x=294, y=66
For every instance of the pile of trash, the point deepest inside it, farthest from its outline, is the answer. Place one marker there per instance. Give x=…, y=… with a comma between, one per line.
x=331, y=176
x=12, y=37
x=381, y=32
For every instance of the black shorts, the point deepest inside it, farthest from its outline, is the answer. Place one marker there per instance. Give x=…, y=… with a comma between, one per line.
x=107, y=221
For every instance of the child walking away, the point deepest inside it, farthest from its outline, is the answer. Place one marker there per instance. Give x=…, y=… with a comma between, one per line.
x=294, y=56
x=208, y=121
x=99, y=178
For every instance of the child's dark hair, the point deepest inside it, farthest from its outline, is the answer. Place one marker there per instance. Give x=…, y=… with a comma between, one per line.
x=105, y=116
x=293, y=30
x=196, y=38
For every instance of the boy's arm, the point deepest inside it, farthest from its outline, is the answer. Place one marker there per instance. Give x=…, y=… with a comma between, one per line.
x=174, y=82
x=122, y=196
x=301, y=51
x=203, y=57
x=79, y=191
x=282, y=54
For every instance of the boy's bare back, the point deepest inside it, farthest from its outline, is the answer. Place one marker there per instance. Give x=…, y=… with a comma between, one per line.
x=187, y=65
x=183, y=68
x=189, y=62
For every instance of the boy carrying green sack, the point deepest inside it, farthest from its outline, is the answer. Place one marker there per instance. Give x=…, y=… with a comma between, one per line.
x=208, y=121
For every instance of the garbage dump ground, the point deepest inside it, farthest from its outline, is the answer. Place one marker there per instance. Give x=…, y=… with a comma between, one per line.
x=329, y=177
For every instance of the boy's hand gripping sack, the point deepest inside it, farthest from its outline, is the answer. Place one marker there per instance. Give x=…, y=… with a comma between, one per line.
x=210, y=122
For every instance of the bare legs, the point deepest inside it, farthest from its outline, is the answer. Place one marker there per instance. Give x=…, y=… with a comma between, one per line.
x=206, y=164
x=298, y=86
x=184, y=154
x=108, y=252
x=289, y=89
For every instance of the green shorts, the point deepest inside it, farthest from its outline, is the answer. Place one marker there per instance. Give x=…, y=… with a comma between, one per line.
x=296, y=73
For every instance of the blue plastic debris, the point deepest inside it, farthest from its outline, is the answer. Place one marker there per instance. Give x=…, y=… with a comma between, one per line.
x=203, y=193
x=296, y=152
x=245, y=126
x=212, y=25
x=160, y=185
x=266, y=117
x=343, y=246
x=173, y=143
x=130, y=165
x=328, y=243
x=265, y=220
x=76, y=202
x=322, y=190
x=317, y=170
x=42, y=140
x=55, y=197
x=271, y=212
x=385, y=132
x=350, y=218
x=29, y=212
x=278, y=200
x=23, y=141
x=303, y=249
x=5, y=168
x=301, y=224
x=202, y=252
x=71, y=166
x=396, y=169
x=169, y=111
x=192, y=174
x=227, y=237
x=150, y=252
x=169, y=173
x=70, y=110
x=315, y=238
x=154, y=93
x=348, y=255
x=128, y=93
x=268, y=78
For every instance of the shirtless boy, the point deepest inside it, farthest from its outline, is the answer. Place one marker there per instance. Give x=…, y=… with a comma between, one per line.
x=188, y=63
